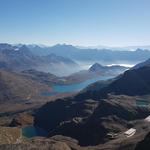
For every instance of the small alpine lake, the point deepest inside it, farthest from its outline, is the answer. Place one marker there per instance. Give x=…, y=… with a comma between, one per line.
x=32, y=131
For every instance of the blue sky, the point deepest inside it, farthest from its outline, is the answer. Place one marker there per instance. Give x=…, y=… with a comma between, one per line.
x=77, y=22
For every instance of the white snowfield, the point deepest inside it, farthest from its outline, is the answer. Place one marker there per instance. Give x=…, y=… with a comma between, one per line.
x=130, y=132
x=147, y=119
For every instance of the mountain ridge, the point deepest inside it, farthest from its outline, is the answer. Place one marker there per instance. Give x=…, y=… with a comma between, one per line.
x=21, y=58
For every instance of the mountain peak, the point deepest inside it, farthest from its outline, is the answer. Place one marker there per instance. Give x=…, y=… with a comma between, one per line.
x=96, y=67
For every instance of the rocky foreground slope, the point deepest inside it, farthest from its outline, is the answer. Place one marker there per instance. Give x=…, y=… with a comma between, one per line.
x=90, y=121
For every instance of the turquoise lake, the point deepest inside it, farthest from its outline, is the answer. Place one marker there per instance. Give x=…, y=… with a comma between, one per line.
x=31, y=131
x=74, y=87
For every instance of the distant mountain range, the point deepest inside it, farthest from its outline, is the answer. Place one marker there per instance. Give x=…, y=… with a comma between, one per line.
x=126, y=48
x=18, y=58
x=88, y=54
x=60, y=59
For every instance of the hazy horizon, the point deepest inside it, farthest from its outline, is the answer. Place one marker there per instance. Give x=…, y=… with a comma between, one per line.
x=129, y=47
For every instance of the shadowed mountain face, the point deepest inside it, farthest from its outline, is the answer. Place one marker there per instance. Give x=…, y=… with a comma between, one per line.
x=132, y=82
